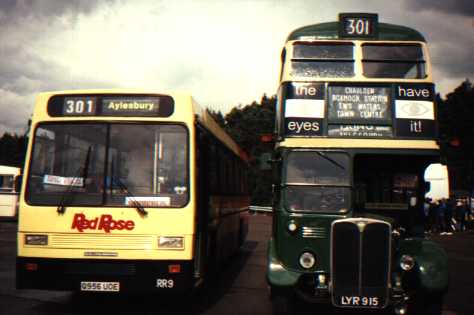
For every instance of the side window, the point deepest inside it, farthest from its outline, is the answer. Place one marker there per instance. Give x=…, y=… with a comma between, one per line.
x=214, y=168
x=6, y=183
x=223, y=174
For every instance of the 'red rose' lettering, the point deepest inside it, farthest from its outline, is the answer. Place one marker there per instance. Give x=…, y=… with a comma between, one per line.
x=93, y=223
x=105, y=223
x=129, y=225
x=78, y=222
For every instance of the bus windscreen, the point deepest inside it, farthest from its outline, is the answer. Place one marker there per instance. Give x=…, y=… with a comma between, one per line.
x=90, y=164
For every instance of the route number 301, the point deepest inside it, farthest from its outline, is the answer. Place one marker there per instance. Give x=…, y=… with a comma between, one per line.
x=357, y=26
x=78, y=106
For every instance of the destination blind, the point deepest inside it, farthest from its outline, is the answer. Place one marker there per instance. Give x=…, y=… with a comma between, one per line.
x=111, y=105
x=359, y=103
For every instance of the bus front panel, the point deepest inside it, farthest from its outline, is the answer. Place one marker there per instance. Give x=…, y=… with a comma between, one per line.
x=108, y=206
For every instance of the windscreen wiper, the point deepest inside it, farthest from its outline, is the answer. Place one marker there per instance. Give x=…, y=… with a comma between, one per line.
x=131, y=197
x=141, y=210
x=82, y=172
x=324, y=156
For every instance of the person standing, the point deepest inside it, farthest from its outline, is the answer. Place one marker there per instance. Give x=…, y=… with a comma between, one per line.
x=448, y=216
x=441, y=219
x=426, y=215
x=436, y=217
x=461, y=214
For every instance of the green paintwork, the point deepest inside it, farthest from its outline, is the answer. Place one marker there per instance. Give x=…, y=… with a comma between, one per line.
x=431, y=264
x=290, y=245
x=330, y=30
x=277, y=275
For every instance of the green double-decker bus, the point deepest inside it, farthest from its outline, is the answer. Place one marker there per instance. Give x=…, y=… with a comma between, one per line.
x=356, y=128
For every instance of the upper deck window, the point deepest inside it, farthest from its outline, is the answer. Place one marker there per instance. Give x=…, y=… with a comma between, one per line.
x=328, y=60
x=402, y=61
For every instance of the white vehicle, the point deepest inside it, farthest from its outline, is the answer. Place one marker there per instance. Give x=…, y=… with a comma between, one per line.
x=8, y=191
x=437, y=175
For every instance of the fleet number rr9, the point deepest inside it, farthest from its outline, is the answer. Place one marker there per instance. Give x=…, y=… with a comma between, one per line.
x=164, y=283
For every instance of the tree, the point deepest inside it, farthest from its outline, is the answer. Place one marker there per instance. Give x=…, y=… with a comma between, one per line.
x=218, y=117
x=456, y=121
x=246, y=125
x=13, y=150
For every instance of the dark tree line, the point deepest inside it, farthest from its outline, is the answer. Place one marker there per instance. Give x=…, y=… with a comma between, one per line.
x=13, y=149
x=246, y=125
x=456, y=128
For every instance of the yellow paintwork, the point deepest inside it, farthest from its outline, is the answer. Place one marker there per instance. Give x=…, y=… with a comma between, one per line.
x=139, y=243
x=333, y=143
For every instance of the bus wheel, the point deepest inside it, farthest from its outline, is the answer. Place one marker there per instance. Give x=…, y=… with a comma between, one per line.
x=427, y=305
x=282, y=302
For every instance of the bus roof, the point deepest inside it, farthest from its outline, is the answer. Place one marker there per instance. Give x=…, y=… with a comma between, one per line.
x=330, y=31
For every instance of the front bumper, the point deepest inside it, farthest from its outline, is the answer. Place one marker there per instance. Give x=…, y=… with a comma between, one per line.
x=132, y=276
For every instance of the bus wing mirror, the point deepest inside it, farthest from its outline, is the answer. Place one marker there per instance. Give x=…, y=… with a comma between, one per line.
x=18, y=180
x=265, y=161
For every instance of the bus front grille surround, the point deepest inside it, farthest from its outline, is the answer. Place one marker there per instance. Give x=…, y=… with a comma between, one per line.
x=360, y=262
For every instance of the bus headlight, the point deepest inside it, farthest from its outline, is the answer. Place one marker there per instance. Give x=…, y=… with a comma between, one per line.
x=292, y=226
x=307, y=260
x=171, y=242
x=407, y=262
x=36, y=239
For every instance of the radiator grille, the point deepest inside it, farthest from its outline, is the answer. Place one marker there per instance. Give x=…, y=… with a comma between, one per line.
x=102, y=241
x=360, y=262
x=313, y=232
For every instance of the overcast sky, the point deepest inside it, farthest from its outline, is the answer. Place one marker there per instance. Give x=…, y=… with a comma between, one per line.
x=226, y=53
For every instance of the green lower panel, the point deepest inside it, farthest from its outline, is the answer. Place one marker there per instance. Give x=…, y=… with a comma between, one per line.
x=277, y=275
x=431, y=269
